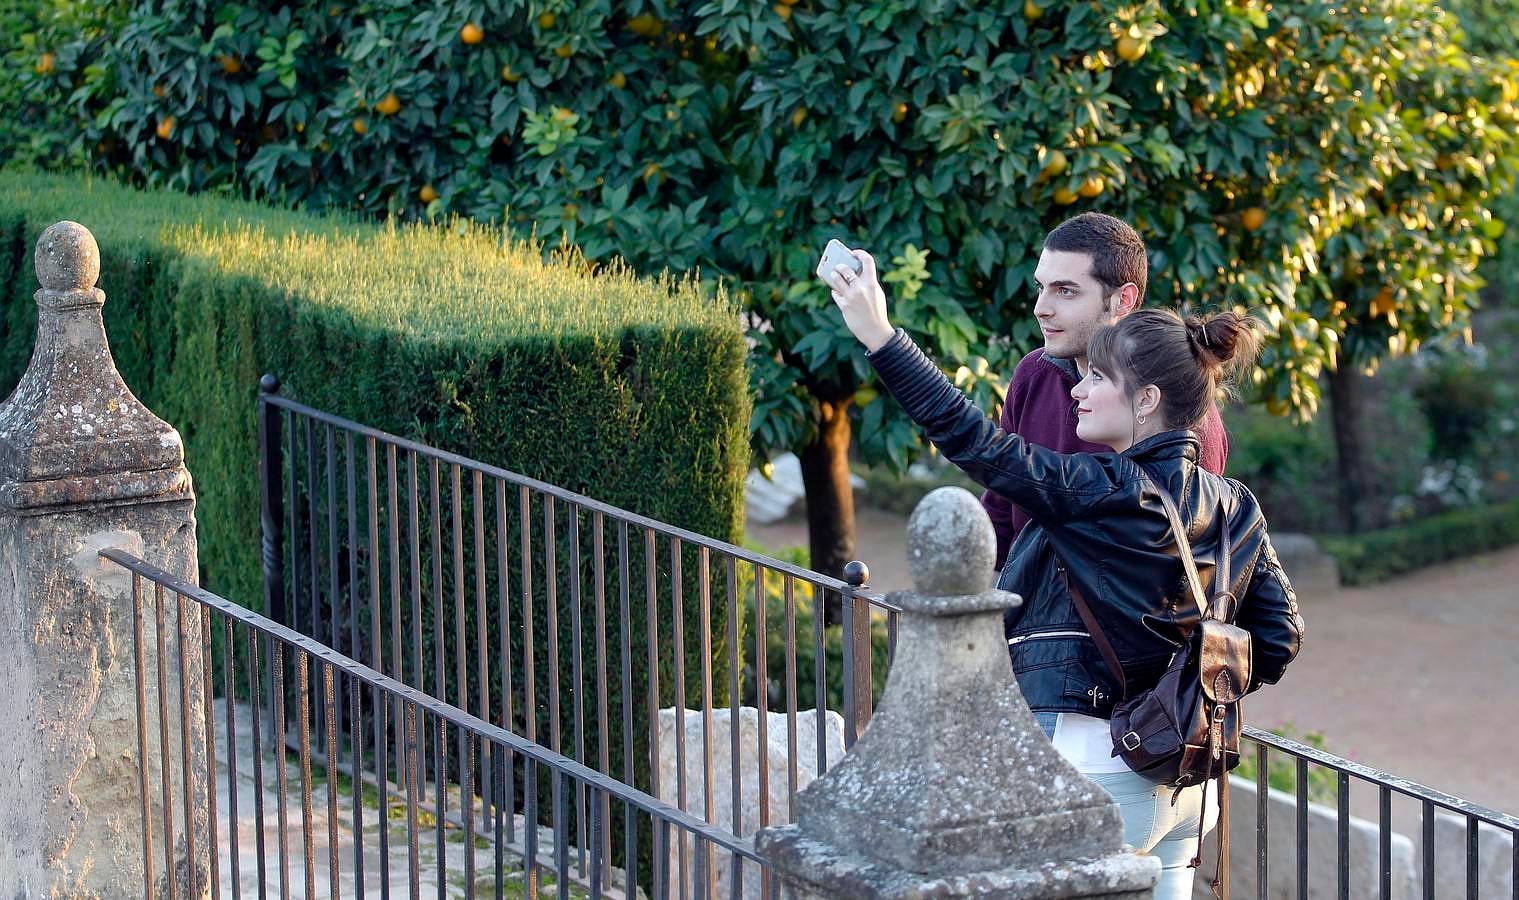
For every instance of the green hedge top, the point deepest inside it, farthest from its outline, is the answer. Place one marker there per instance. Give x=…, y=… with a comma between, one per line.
x=457, y=282
x=630, y=390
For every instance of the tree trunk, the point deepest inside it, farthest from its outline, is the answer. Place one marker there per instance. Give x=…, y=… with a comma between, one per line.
x=830, y=499
x=1352, y=464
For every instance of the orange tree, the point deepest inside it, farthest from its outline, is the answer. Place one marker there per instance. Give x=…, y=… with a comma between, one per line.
x=1246, y=140
x=41, y=42
x=1417, y=157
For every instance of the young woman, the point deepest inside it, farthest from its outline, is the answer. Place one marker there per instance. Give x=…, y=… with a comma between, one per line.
x=1098, y=523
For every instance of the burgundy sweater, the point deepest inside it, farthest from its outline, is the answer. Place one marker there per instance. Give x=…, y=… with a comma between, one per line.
x=1039, y=407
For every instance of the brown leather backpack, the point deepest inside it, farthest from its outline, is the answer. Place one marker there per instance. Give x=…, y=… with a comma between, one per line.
x=1186, y=729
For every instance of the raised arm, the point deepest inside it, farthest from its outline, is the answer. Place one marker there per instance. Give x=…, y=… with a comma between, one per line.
x=1047, y=485
x=998, y=508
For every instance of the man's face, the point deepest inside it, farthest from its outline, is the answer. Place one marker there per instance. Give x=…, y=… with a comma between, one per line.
x=1071, y=305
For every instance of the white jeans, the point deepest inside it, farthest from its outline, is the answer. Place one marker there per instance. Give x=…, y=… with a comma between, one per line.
x=1152, y=824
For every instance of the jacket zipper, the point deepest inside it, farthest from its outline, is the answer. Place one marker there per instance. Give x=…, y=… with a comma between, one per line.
x=1045, y=634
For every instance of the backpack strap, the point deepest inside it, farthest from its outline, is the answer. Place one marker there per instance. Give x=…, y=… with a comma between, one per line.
x=1098, y=636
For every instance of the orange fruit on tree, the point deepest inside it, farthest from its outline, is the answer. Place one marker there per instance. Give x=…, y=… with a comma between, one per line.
x=899, y=112
x=1383, y=303
x=547, y=20
x=1055, y=164
x=618, y=80
x=1253, y=218
x=798, y=117
x=1130, y=48
x=1092, y=187
x=360, y=126
x=1065, y=196
x=46, y=63
x=1032, y=10
x=389, y=105
x=646, y=25
x=428, y=193
x=158, y=90
x=782, y=10
x=166, y=127
x=230, y=63
x=564, y=51
x=471, y=33
x=509, y=76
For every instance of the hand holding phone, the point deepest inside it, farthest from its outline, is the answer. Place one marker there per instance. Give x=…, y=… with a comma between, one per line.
x=835, y=255
x=860, y=297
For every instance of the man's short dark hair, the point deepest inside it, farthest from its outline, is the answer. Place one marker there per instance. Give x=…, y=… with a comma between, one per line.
x=1117, y=250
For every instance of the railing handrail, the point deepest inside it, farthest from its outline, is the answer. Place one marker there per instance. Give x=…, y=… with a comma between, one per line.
x=1393, y=782
x=826, y=582
x=445, y=711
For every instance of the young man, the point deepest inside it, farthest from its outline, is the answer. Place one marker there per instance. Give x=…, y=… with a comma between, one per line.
x=1092, y=272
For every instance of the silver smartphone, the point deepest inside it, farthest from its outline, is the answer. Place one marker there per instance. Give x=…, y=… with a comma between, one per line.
x=835, y=255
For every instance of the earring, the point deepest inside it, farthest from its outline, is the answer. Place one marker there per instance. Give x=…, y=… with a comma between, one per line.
x=1139, y=419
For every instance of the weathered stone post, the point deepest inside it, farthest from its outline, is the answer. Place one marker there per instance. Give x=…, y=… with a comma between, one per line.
x=85, y=466
x=954, y=790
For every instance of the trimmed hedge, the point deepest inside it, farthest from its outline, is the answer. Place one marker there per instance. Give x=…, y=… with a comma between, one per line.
x=633, y=391
x=1378, y=555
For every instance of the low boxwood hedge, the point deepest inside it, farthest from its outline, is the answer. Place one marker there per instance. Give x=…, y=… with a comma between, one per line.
x=1378, y=555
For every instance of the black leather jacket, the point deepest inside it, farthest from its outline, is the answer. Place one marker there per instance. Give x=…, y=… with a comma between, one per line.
x=1097, y=515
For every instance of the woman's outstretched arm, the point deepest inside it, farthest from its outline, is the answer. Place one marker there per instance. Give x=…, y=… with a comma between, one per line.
x=1050, y=486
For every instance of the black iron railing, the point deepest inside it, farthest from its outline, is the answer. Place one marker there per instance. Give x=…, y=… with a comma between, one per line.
x=561, y=618
x=302, y=684
x=1313, y=776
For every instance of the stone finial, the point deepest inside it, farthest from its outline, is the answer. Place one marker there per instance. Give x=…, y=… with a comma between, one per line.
x=954, y=790
x=72, y=434
x=950, y=544
x=67, y=258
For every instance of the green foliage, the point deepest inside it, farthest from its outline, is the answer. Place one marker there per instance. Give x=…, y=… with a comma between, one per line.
x=948, y=137
x=41, y=42
x=1487, y=26
x=1488, y=30
x=1460, y=401
x=1284, y=464
x=629, y=390
x=1374, y=556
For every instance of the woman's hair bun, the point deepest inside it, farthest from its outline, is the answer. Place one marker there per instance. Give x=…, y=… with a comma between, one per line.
x=1224, y=338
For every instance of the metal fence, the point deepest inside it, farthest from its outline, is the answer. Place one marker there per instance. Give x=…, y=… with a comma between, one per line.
x=566, y=620
x=342, y=840
x=1307, y=780
x=573, y=623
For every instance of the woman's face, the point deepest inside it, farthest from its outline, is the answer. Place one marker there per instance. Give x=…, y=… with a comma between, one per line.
x=1104, y=412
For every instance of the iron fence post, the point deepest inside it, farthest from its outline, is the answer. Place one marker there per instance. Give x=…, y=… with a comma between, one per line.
x=858, y=681
x=271, y=498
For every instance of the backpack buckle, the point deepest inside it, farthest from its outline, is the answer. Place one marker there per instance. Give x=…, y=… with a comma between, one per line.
x=1133, y=746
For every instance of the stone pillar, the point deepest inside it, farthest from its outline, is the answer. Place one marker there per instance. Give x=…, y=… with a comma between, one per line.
x=954, y=791
x=85, y=466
